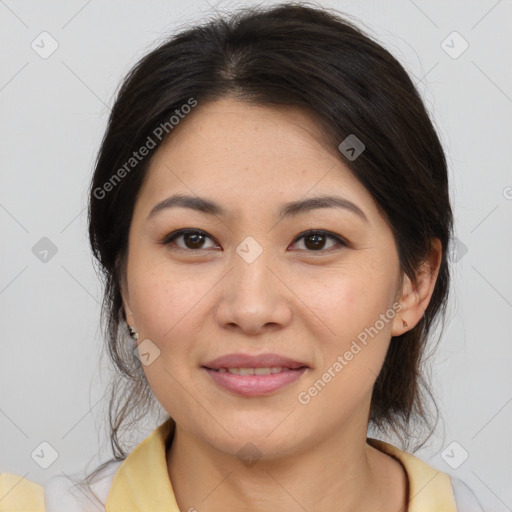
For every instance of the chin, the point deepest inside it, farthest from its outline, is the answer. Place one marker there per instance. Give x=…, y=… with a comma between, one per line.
x=268, y=440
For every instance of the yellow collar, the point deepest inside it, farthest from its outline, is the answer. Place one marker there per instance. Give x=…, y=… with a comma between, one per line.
x=429, y=489
x=142, y=483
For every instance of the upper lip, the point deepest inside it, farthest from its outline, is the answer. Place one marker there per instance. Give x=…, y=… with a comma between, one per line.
x=248, y=361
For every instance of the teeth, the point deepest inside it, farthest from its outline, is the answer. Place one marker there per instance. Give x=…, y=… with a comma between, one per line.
x=252, y=371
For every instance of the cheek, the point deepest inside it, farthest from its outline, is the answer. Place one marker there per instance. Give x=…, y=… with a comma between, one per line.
x=352, y=350
x=167, y=307
x=352, y=338
x=345, y=301
x=164, y=300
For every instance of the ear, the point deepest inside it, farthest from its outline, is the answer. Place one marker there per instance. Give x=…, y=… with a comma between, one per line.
x=415, y=297
x=123, y=285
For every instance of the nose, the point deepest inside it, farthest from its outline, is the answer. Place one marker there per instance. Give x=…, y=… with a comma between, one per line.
x=254, y=297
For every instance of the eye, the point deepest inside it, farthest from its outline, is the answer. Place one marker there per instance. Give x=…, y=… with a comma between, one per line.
x=194, y=239
x=315, y=240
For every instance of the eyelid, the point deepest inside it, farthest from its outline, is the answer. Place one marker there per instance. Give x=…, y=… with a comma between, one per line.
x=175, y=234
x=328, y=234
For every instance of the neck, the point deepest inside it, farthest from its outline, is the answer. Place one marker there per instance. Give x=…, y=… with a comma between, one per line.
x=340, y=473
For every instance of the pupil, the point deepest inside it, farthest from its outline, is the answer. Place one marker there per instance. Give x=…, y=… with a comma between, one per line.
x=197, y=239
x=319, y=241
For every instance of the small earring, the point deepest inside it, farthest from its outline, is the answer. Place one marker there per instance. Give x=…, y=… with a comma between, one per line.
x=404, y=323
x=133, y=334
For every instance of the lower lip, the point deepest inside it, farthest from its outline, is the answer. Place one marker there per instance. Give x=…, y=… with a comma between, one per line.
x=255, y=385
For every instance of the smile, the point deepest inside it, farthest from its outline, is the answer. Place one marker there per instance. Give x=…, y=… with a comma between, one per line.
x=253, y=371
x=252, y=382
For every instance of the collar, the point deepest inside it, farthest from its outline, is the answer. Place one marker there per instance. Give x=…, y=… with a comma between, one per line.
x=429, y=489
x=142, y=483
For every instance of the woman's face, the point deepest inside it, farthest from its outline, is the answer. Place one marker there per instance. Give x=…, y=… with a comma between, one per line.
x=251, y=283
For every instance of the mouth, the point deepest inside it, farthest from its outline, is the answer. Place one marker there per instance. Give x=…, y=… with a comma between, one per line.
x=243, y=361
x=247, y=375
x=272, y=370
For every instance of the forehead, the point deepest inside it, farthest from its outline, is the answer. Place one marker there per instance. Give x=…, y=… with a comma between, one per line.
x=250, y=155
x=234, y=130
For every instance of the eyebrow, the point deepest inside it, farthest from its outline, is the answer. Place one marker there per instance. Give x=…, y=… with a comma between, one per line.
x=291, y=209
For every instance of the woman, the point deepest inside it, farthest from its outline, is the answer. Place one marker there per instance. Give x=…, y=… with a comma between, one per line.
x=270, y=211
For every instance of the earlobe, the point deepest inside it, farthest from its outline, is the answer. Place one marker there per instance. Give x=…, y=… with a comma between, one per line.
x=416, y=295
x=400, y=324
x=129, y=319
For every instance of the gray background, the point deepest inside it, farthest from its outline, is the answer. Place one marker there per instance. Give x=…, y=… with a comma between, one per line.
x=53, y=114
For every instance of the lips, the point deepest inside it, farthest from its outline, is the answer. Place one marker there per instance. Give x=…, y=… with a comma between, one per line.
x=260, y=361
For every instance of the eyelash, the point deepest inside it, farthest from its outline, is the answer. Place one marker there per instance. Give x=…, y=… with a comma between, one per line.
x=176, y=234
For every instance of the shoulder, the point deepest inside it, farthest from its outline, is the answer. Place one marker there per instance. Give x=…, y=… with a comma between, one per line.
x=59, y=493
x=465, y=497
x=17, y=494
x=430, y=488
x=67, y=494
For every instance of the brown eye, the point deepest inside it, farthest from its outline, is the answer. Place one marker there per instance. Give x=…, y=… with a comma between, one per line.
x=193, y=239
x=315, y=241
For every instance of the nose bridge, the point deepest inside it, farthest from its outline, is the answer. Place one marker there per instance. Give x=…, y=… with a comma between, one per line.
x=252, y=296
x=251, y=263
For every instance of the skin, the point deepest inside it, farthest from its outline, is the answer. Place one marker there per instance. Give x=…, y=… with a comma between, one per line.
x=305, y=303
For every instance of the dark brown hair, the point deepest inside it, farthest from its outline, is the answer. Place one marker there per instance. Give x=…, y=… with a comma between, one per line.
x=300, y=56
